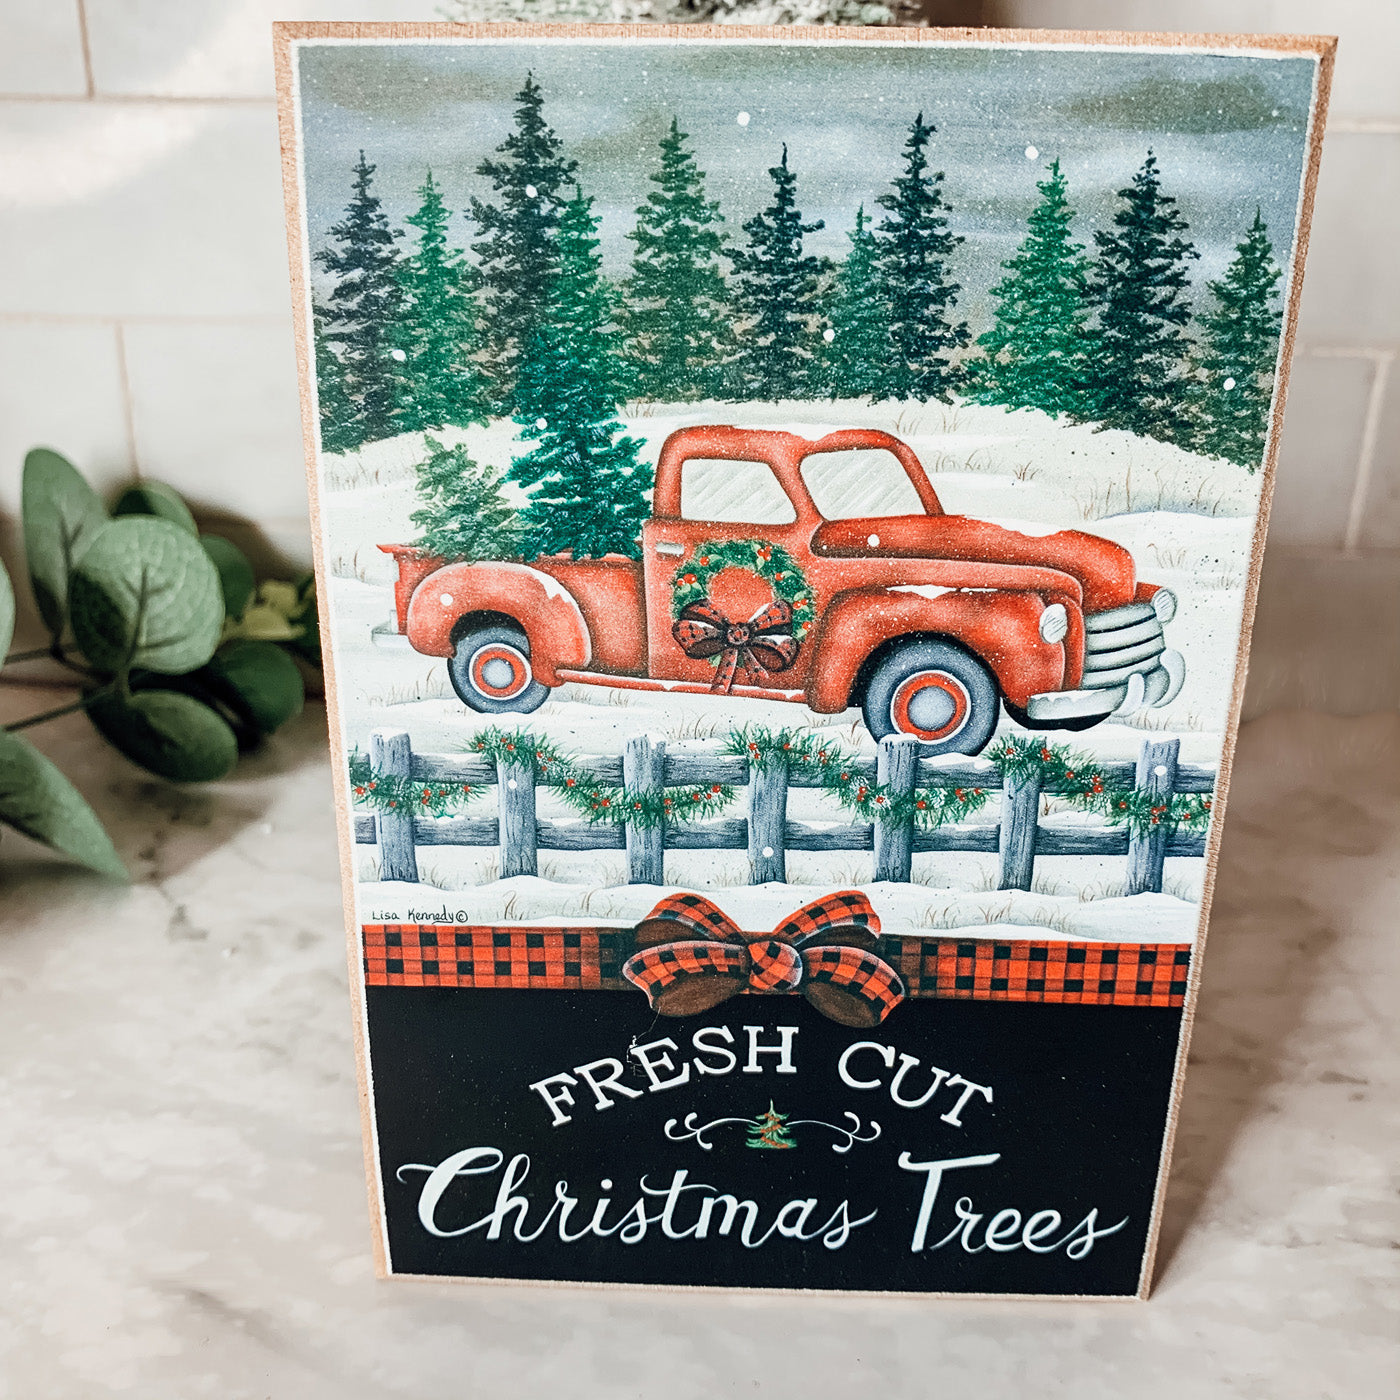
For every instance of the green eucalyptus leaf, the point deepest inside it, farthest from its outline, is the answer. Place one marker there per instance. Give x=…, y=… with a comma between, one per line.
x=259, y=680
x=7, y=611
x=38, y=800
x=157, y=499
x=171, y=735
x=146, y=594
x=235, y=573
x=61, y=513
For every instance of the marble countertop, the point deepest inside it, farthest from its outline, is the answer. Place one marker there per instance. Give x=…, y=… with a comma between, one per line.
x=182, y=1200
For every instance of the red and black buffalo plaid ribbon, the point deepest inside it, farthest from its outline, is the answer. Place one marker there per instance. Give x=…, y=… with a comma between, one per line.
x=588, y=958
x=692, y=956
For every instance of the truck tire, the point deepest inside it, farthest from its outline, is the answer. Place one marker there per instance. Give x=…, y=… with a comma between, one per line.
x=490, y=671
x=937, y=692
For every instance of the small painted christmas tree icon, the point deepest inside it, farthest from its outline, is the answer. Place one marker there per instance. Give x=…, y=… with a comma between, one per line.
x=770, y=1130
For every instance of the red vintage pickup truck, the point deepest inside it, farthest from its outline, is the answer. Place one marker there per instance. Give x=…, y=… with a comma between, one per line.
x=824, y=572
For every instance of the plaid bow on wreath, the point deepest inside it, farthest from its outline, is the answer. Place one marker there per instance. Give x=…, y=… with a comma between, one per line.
x=692, y=956
x=765, y=642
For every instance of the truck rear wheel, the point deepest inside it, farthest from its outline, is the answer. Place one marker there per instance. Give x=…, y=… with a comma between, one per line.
x=937, y=692
x=490, y=671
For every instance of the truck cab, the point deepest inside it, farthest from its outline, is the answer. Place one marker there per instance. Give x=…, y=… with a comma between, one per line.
x=822, y=571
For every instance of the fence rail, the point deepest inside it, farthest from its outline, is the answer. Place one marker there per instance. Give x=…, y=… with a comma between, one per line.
x=766, y=833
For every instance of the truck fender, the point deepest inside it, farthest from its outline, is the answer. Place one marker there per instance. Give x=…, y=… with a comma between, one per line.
x=1000, y=627
x=540, y=605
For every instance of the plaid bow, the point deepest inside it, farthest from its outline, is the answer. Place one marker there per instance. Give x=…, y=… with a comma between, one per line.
x=692, y=957
x=763, y=643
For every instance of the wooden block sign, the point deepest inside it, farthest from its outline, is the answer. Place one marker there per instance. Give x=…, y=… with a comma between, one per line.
x=788, y=507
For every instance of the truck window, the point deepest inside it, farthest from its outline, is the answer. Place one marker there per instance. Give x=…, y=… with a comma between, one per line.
x=724, y=489
x=861, y=481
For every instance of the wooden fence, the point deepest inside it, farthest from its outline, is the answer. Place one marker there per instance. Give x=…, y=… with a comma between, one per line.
x=766, y=833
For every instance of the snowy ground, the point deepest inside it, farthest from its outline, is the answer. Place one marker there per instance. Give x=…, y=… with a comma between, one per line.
x=1187, y=520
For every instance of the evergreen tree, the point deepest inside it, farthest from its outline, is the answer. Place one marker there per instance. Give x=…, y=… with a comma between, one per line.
x=770, y=1130
x=437, y=333
x=1139, y=373
x=857, y=355
x=778, y=296
x=516, y=251
x=915, y=245
x=589, y=490
x=1036, y=353
x=677, y=307
x=339, y=430
x=463, y=515
x=1235, y=387
x=363, y=308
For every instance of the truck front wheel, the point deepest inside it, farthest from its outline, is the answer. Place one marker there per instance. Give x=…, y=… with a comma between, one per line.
x=938, y=693
x=490, y=671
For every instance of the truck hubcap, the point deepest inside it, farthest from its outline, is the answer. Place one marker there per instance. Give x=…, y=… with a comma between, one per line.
x=499, y=671
x=931, y=705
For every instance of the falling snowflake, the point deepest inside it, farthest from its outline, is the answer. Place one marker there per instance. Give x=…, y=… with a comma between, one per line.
x=828, y=335
x=742, y=119
x=541, y=423
x=1229, y=384
x=1032, y=152
x=397, y=355
x=531, y=192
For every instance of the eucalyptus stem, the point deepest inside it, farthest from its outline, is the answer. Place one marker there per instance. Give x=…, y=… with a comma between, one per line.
x=81, y=703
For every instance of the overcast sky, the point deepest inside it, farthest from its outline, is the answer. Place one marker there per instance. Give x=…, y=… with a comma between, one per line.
x=1228, y=132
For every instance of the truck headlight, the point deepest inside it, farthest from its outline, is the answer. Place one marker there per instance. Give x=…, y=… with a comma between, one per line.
x=1164, y=605
x=1054, y=623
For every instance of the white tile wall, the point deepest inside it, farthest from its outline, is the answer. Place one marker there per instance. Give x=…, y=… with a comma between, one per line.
x=209, y=48
x=213, y=407
x=140, y=211
x=41, y=48
x=1322, y=441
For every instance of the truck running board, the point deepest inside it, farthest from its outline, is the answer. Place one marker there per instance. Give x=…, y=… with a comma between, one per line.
x=751, y=692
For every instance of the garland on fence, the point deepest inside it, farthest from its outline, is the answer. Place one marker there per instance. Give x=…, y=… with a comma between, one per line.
x=1074, y=777
x=846, y=777
x=597, y=802
x=1064, y=773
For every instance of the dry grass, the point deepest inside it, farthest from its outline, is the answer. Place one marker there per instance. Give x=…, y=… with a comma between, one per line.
x=1173, y=557
x=350, y=473
x=1172, y=718
x=994, y=912
x=431, y=685
x=1152, y=491
x=354, y=565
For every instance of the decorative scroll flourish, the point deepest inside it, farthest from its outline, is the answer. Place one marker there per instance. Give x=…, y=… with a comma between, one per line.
x=692, y=1130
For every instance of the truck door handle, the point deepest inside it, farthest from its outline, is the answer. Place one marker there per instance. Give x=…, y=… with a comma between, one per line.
x=670, y=547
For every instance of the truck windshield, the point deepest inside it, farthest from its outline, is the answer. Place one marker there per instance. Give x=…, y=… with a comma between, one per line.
x=860, y=481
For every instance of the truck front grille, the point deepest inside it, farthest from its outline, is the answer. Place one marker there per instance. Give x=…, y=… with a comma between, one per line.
x=1119, y=642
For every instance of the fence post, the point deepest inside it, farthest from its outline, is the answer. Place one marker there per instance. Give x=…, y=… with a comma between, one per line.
x=1156, y=776
x=516, y=804
x=897, y=767
x=1020, y=817
x=768, y=786
x=390, y=753
x=643, y=773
